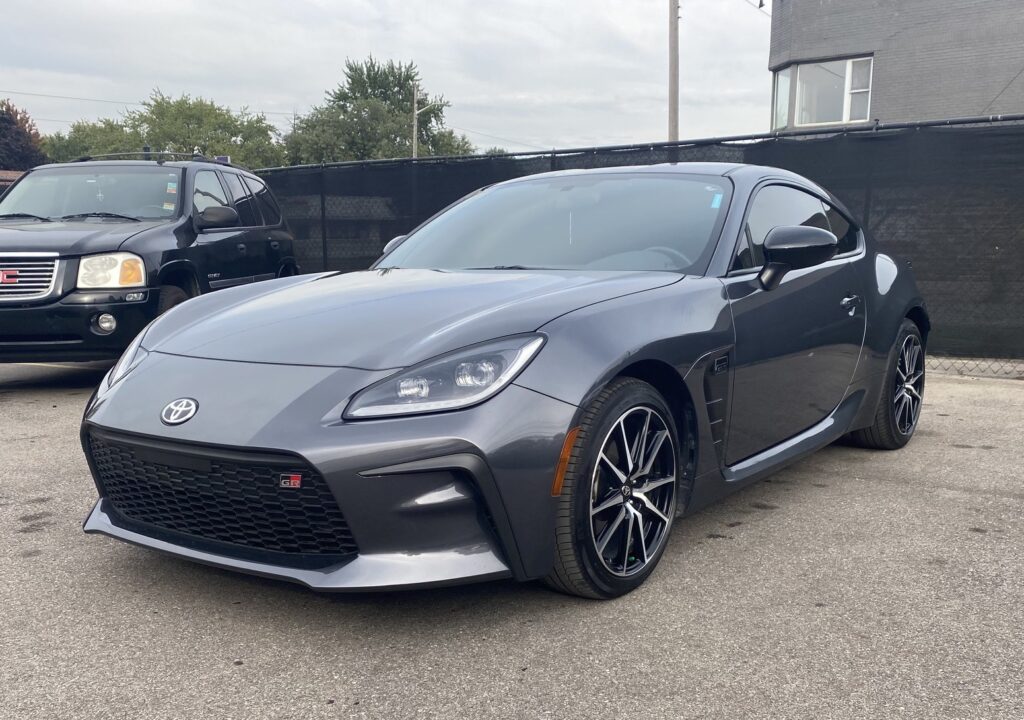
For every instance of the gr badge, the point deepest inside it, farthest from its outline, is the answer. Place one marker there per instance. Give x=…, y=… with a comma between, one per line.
x=290, y=480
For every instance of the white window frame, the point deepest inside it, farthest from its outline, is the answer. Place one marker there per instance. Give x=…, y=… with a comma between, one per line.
x=847, y=81
x=775, y=97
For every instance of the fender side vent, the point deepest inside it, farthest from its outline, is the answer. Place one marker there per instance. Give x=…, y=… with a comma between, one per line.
x=716, y=402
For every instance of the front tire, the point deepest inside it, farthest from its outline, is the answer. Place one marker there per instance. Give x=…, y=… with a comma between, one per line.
x=619, y=494
x=170, y=295
x=899, y=407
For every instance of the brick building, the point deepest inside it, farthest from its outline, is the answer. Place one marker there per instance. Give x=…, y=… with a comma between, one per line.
x=837, y=62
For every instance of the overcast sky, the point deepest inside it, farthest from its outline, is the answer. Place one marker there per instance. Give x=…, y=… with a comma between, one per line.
x=519, y=73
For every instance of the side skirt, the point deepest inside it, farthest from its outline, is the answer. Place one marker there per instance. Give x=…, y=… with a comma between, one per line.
x=714, y=486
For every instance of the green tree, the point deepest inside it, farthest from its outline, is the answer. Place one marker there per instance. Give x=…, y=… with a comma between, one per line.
x=183, y=125
x=85, y=138
x=20, y=144
x=369, y=116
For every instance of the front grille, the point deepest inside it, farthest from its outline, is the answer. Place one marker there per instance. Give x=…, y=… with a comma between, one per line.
x=221, y=496
x=24, y=277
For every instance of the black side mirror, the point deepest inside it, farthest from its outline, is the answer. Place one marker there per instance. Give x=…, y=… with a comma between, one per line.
x=392, y=244
x=792, y=248
x=216, y=216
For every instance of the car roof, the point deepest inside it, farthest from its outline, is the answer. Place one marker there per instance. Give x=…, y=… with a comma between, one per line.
x=142, y=163
x=751, y=174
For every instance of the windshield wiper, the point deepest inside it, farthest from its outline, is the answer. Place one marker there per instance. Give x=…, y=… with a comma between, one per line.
x=99, y=215
x=507, y=267
x=26, y=215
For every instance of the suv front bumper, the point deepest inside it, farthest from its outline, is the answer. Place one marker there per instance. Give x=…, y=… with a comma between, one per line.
x=63, y=330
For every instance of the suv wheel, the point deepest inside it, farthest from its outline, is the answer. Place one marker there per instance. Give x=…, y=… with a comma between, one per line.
x=170, y=295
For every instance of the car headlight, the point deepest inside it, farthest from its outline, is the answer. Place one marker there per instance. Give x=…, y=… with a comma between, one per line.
x=111, y=270
x=133, y=355
x=449, y=382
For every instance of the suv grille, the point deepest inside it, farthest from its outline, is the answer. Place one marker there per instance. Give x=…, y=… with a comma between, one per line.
x=221, y=496
x=26, y=278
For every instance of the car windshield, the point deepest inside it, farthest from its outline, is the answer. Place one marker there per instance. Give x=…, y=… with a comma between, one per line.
x=108, y=193
x=614, y=221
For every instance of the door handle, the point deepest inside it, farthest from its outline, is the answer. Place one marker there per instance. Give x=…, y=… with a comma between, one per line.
x=242, y=249
x=850, y=303
x=274, y=245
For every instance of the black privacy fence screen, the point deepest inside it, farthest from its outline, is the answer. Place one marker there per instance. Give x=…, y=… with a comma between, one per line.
x=947, y=196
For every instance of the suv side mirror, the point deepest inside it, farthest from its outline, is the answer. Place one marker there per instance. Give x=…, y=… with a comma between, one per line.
x=792, y=248
x=216, y=216
x=393, y=243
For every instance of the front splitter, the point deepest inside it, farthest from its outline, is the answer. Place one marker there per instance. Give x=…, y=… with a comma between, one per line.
x=365, y=573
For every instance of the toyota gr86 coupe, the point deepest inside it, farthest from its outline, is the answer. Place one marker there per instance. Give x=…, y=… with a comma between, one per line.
x=536, y=383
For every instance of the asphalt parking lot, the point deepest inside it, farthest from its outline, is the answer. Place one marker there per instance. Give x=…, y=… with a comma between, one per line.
x=855, y=584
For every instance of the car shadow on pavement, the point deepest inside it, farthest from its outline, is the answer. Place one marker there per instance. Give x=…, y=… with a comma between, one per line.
x=52, y=376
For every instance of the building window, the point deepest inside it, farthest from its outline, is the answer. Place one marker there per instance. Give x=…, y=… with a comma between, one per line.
x=780, y=93
x=836, y=91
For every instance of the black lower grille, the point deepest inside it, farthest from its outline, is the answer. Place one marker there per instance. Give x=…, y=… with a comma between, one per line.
x=221, y=496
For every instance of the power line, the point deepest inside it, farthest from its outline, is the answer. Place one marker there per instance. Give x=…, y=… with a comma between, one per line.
x=759, y=7
x=1005, y=88
x=67, y=97
x=497, y=137
x=110, y=102
x=263, y=112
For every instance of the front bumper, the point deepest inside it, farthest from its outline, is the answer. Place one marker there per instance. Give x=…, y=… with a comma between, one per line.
x=62, y=330
x=378, y=571
x=429, y=500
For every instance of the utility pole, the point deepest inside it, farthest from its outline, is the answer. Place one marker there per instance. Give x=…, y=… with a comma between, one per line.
x=416, y=110
x=673, y=70
x=415, y=118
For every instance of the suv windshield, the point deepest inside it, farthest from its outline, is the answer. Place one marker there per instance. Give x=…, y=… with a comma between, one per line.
x=115, y=192
x=600, y=222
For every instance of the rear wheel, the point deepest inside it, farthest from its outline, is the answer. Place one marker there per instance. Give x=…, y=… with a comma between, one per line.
x=899, y=407
x=618, y=500
x=170, y=295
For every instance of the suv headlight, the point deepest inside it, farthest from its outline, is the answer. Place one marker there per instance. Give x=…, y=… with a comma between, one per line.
x=130, y=359
x=111, y=270
x=449, y=382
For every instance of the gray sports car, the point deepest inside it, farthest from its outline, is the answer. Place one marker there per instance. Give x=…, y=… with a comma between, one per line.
x=536, y=383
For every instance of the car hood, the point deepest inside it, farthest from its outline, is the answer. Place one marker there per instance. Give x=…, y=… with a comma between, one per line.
x=381, y=319
x=68, y=238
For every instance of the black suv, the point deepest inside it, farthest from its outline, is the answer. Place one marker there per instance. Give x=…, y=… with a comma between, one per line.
x=91, y=251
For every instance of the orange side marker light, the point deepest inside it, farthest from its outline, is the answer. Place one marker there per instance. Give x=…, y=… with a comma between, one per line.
x=563, y=461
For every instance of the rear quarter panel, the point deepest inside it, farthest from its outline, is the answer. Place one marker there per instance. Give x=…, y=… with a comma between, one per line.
x=891, y=293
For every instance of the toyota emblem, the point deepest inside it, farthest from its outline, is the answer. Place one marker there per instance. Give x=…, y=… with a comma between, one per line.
x=178, y=411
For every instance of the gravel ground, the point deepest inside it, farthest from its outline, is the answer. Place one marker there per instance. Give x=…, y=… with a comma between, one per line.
x=855, y=584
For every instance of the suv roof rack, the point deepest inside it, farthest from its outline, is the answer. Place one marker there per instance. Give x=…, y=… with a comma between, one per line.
x=159, y=156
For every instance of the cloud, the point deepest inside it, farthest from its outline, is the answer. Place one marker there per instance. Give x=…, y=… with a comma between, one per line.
x=535, y=72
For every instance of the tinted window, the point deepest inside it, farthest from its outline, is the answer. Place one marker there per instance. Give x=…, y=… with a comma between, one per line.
x=145, y=192
x=264, y=200
x=243, y=202
x=775, y=206
x=843, y=230
x=208, y=191
x=601, y=222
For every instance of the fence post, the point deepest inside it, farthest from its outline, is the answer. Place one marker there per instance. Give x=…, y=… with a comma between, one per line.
x=323, y=215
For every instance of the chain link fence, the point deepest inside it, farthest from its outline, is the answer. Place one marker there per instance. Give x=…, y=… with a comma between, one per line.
x=948, y=198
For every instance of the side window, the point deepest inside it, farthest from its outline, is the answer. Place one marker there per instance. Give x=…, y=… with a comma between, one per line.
x=774, y=206
x=264, y=200
x=843, y=230
x=247, y=214
x=207, y=191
